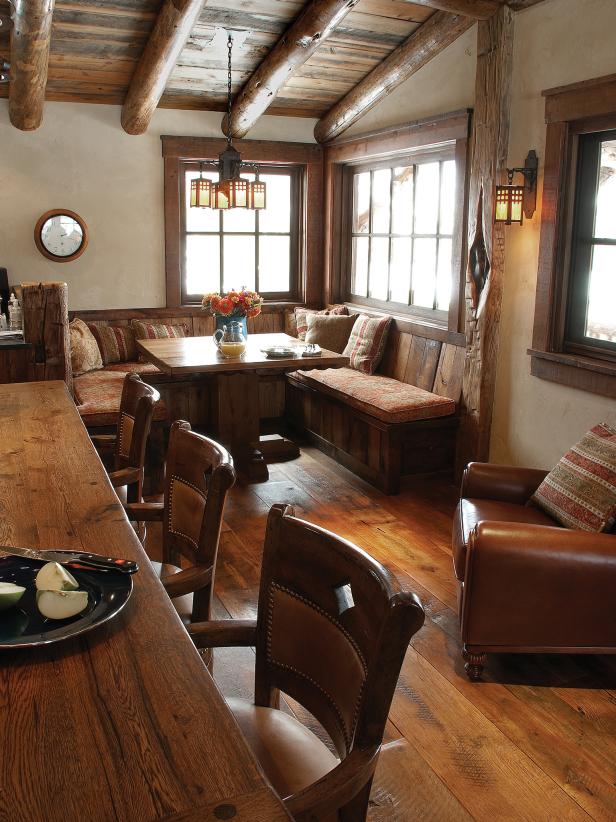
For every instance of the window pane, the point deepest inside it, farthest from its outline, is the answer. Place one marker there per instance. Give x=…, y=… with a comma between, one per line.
x=239, y=219
x=277, y=215
x=605, y=221
x=361, y=203
x=443, y=275
x=274, y=263
x=200, y=219
x=381, y=182
x=402, y=201
x=239, y=262
x=400, y=272
x=448, y=196
x=424, y=272
x=202, y=263
x=359, y=279
x=379, y=264
x=601, y=316
x=426, y=198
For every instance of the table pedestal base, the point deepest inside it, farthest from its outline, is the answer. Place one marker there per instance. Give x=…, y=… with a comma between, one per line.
x=237, y=426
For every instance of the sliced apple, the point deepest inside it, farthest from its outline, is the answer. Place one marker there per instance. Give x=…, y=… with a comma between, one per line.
x=10, y=594
x=61, y=604
x=54, y=577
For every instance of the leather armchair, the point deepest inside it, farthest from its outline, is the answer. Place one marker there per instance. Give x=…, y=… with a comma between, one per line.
x=526, y=584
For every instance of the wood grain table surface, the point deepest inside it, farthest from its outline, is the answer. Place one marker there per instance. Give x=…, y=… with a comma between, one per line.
x=123, y=723
x=199, y=355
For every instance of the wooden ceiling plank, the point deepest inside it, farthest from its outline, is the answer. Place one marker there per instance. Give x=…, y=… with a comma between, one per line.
x=30, y=42
x=315, y=23
x=477, y=9
x=429, y=40
x=171, y=31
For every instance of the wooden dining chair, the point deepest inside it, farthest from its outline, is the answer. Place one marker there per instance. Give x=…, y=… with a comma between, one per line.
x=331, y=631
x=199, y=473
x=128, y=445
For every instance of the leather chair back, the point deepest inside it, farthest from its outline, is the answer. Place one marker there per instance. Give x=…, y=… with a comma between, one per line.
x=134, y=422
x=199, y=473
x=332, y=630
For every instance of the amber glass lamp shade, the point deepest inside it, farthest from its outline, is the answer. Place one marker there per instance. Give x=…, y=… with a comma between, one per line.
x=201, y=193
x=509, y=204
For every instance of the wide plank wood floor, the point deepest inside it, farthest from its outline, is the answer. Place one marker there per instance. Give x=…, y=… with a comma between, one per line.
x=535, y=741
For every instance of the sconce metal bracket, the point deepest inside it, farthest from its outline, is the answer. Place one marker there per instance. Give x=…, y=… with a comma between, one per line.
x=530, y=171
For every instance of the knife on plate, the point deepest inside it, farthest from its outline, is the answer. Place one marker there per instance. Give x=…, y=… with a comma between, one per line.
x=74, y=559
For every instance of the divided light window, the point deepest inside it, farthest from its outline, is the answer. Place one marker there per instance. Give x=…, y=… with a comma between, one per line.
x=260, y=250
x=401, y=233
x=591, y=313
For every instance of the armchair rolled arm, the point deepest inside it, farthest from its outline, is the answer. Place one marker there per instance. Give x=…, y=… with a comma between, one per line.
x=124, y=476
x=504, y=483
x=336, y=788
x=224, y=633
x=145, y=511
x=536, y=586
x=187, y=581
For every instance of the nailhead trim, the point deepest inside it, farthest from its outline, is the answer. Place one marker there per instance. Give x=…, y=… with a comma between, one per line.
x=284, y=666
x=175, y=478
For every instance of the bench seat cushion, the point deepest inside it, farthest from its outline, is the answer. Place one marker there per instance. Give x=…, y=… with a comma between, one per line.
x=386, y=399
x=98, y=393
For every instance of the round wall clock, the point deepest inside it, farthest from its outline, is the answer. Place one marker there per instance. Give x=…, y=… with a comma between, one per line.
x=61, y=235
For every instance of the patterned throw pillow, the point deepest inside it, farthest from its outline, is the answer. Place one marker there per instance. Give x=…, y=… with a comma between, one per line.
x=85, y=354
x=157, y=331
x=581, y=491
x=366, y=344
x=301, y=315
x=116, y=342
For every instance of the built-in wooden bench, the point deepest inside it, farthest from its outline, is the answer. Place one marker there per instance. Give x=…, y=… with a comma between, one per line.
x=379, y=431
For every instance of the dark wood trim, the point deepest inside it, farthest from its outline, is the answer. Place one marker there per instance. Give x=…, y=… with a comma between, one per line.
x=308, y=155
x=571, y=111
x=92, y=315
x=382, y=146
x=407, y=325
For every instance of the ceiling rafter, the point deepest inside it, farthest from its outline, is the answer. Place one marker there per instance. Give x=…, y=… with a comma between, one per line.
x=438, y=32
x=315, y=23
x=172, y=29
x=30, y=43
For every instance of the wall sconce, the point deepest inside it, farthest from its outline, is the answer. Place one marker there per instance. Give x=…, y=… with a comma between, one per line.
x=513, y=202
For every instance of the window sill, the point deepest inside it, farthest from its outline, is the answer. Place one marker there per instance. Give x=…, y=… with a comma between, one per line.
x=411, y=323
x=584, y=373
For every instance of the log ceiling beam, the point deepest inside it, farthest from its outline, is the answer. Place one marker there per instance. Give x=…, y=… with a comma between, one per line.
x=438, y=32
x=315, y=23
x=477, y=9
x=30, y=41
x=173, y=26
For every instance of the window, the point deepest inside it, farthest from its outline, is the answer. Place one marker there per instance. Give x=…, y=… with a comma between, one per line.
x=401, y=233
x=260, y=250
x=591, y=312
x=574, y=335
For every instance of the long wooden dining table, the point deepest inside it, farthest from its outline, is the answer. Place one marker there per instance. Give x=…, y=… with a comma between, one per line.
x=124, y=722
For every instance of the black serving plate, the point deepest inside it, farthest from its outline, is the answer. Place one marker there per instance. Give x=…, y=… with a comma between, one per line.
x=23, y=625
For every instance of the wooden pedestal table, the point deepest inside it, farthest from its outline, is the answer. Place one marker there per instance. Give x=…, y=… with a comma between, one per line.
x=236, y=383
x=125, y=722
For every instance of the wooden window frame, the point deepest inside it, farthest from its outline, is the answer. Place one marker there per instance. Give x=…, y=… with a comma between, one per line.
x=297, y=175
x=179, y=150
x=446, y=133
x=571, y=111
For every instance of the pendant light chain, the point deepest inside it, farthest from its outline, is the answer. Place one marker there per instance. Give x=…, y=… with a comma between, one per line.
x=229, y=49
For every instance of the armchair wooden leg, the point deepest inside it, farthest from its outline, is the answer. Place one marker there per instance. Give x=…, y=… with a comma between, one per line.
x=357, y=809
x=474, y=664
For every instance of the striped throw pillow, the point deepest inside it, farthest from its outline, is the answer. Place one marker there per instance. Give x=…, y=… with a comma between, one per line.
x=580, y=492
x=116, y=342
x=366, y=344
x=301, y=317
x=158, y=331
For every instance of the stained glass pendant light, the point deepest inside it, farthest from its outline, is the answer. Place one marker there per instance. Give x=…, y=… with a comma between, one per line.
x=231, y=190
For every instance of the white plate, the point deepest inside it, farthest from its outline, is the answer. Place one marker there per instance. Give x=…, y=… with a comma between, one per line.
x=280, y=351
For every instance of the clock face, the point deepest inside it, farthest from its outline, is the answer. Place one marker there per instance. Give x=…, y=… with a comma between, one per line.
x=61, y=235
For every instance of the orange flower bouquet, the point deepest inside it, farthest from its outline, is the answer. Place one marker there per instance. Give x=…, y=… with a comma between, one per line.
x=242, y=303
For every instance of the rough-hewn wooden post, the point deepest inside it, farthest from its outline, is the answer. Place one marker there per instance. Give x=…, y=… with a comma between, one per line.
x=489, y=158
x=45, y=318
